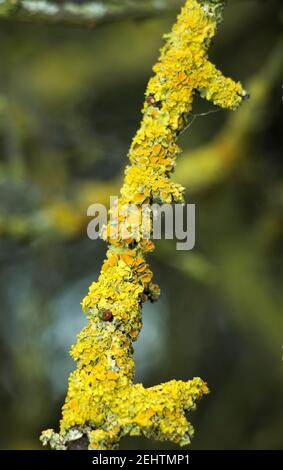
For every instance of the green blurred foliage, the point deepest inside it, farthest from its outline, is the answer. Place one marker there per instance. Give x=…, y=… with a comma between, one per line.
x=69, y=106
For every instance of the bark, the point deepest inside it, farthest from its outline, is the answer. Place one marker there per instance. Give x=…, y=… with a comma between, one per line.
x=79, y=444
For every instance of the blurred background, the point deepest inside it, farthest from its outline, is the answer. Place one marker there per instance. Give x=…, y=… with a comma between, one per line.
x=70, y=99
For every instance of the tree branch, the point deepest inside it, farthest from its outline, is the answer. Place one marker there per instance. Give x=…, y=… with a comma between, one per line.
x=103, y=403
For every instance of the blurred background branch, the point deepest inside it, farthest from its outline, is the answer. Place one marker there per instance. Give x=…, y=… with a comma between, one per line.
x=89, y=12
x=198, y=169
x=209, y=164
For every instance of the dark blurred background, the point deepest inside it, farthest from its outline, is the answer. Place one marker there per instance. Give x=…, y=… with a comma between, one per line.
x=70, y=99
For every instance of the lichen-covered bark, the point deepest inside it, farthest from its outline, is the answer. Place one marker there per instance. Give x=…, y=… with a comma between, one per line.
x=102, y=403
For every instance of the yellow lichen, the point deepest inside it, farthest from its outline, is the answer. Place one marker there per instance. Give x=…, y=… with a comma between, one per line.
x=102, y=401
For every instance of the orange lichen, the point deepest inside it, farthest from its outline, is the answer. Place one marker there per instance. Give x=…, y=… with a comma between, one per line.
x=102, y=401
